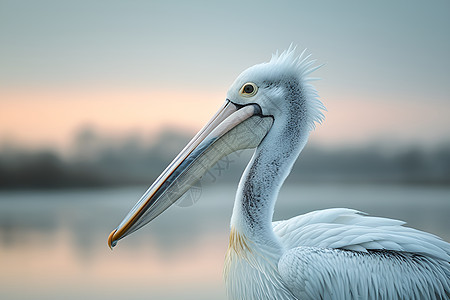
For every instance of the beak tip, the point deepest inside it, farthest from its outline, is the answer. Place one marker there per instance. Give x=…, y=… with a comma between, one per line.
x=111, y=241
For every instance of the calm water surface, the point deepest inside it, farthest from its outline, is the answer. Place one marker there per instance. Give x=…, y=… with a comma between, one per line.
x=53, y=243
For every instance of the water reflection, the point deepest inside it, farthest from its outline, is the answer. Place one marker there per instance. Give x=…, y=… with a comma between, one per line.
x=53, y=243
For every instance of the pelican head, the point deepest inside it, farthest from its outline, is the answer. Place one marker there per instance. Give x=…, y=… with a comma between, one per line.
x=272, y=100
x=279, y=85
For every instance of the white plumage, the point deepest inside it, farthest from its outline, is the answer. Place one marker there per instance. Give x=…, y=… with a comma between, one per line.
x=334, y=254
x=386, y=261
x=342, y=254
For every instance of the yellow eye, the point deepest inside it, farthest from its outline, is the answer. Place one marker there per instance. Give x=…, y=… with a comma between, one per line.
x=248, y=89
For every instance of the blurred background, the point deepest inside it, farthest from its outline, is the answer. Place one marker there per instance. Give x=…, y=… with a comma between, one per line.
x=97, y=97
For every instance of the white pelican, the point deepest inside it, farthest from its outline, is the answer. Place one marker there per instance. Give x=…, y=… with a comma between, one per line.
x=330, y=254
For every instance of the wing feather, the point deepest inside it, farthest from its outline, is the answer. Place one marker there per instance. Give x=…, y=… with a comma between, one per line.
x=320, y=273
x=342, y=228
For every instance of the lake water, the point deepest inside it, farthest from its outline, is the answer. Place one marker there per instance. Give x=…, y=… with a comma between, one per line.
x=53, y=243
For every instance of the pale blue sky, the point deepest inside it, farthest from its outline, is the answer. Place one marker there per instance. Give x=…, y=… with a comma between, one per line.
x=394, y=45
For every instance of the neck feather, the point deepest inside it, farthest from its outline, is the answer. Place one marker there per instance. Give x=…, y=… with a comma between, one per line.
x=265, y=174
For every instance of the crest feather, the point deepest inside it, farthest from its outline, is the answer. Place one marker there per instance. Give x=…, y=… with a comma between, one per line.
x=302, y=66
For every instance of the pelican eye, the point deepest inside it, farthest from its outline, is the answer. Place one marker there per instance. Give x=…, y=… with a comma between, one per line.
x=249, y=89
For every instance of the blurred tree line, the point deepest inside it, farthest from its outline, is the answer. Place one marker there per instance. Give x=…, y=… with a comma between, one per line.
x=97, y=161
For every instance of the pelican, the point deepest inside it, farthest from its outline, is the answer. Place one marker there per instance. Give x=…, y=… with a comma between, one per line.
x=334, y=253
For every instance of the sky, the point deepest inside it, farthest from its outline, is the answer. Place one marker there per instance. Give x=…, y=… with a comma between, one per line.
x=126, y=67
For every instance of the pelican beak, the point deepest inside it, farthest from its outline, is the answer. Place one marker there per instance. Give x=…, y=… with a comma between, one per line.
x=233, y=127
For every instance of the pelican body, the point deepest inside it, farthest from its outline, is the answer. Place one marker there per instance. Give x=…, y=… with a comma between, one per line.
x=330, y=254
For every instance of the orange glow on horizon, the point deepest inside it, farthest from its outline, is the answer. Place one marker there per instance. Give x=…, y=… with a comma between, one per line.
x=51, y=117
